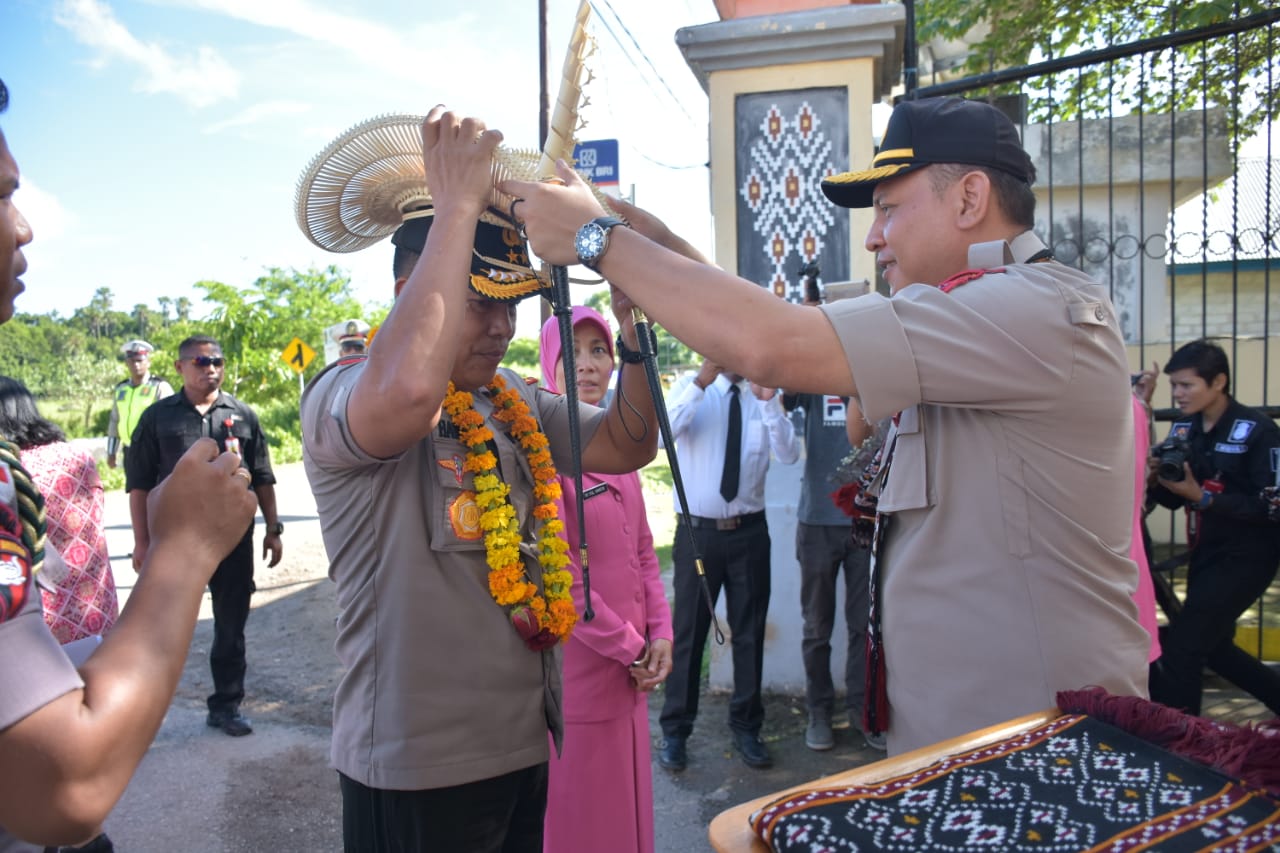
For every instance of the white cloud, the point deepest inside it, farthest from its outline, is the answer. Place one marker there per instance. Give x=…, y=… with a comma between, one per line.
x=48, y=218
x=257, y=113
x=201, y=78
x=408, y=52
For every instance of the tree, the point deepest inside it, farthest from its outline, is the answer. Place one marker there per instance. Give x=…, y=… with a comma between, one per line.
x=522, y=357
x=183, y=307
x=254, y=325
x=142, y=316
x=100, y=311
x=166, y=305
x=85, y=381
x=1230, y=71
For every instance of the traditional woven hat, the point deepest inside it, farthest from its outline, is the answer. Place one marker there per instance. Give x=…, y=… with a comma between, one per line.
x=369, y=183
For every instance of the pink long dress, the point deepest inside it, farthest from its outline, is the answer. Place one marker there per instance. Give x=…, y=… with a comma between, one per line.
x=85, y=602
x=600, y=792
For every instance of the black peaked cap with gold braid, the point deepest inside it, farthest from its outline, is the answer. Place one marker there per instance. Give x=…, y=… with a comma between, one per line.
x=500, y=267
x=935, y=130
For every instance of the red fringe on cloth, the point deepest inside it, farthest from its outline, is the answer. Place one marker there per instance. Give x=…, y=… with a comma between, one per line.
x=1250, y=753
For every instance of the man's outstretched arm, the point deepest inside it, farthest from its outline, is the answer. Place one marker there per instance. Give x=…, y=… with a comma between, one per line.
x=64, y=766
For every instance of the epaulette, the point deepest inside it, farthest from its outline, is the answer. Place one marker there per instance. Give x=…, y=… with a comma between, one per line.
x=529, y=380
x=964, y=277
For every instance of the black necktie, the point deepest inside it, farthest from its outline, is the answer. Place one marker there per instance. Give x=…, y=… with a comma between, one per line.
x=732, y=448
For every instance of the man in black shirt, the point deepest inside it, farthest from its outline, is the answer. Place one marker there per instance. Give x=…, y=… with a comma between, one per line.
x=167, y=428
x=1231, y=454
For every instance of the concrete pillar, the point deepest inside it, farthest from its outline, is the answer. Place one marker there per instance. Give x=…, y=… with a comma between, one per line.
x=791, y=91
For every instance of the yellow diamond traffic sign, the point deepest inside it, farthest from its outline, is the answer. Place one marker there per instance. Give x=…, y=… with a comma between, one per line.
x=297, y=355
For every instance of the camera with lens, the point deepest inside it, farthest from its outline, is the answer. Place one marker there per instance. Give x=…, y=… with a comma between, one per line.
x=1173, y=453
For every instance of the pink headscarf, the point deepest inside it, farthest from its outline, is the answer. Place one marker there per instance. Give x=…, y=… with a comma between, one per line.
x=549, y=342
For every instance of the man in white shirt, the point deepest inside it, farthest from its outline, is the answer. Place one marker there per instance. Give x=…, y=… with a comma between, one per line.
x=725, y=491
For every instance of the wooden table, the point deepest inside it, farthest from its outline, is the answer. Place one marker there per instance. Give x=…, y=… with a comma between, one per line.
x=731, y=830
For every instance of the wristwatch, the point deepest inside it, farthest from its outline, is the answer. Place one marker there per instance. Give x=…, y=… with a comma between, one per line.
x=276, y=529
x=592, y=240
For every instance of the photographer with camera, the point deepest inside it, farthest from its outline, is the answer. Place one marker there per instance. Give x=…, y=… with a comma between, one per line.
x=1215, y=462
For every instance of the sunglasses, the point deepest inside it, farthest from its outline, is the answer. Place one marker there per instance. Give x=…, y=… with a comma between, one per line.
x=206, y=360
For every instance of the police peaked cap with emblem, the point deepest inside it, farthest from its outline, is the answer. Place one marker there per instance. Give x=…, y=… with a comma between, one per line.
x=936, y=130
x=137, y=345
x=370, y=183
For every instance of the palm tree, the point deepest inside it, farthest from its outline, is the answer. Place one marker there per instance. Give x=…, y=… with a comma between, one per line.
x=100, y=312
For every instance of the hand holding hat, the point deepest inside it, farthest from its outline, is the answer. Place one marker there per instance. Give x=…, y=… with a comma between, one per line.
x=457, y=154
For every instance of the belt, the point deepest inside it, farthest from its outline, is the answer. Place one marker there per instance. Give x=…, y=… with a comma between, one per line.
x=749, y=520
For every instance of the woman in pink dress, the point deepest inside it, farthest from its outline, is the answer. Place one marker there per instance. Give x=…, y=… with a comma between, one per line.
x=600, y=792
x=84, y=601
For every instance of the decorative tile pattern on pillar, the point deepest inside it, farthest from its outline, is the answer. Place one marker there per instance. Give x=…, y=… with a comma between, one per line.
x=786, y=143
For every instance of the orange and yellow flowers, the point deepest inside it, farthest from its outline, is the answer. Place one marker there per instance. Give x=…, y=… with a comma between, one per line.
x=545, y=619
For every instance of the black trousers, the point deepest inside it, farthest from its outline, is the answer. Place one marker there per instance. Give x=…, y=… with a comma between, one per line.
x=1224, y=578
x=499, y=815
x=738, y=561
x=231, y=587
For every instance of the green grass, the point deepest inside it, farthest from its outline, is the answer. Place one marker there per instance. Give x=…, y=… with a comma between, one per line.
x=655, y=480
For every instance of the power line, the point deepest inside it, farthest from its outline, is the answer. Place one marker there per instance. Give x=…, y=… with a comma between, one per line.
x=639, y=49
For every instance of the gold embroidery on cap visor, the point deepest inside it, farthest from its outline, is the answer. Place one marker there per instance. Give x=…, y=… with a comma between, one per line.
x=877, y=172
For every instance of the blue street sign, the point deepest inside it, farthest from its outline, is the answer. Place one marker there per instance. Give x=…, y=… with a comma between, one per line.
x=598, y=161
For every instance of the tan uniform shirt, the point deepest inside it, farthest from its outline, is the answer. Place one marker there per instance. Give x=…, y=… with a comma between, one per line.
x=1005, y=576
x=439, y=690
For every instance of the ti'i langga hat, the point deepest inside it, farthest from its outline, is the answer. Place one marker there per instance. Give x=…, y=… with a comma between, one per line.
x=370, y=183
x=935, y=130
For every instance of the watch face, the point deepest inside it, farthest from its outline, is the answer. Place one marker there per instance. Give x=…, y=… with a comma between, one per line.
x=589, y=242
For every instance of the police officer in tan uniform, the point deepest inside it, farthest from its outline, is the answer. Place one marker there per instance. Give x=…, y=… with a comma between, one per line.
x=442, y=714
x=1003, y=574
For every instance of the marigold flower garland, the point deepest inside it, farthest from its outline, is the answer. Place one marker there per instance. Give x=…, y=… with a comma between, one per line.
x=545, y=619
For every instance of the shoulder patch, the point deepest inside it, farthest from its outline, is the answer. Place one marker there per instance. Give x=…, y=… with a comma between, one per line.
x=964, y=277
x=1241, y=429
x=529, y=380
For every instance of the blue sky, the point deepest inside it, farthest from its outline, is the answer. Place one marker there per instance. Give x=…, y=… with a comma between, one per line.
x=160, y=140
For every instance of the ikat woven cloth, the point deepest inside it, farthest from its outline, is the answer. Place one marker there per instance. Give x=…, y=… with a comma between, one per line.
x=1073, y=784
